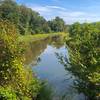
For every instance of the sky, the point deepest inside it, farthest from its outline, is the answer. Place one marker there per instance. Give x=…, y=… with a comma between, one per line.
x=70, y=10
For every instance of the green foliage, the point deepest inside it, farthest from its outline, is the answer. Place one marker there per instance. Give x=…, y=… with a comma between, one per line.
x=12, y=71
x=75, y=28
x=84, y=58
x=27, y=20
x=46, y=92
x=57, y=25
x=8, y=10
x=7, y=94
x=85, y=28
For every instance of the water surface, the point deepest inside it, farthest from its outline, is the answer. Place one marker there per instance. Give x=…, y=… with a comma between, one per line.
x=45, y=63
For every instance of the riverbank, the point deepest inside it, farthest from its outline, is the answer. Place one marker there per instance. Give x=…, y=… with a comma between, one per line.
x=33, y=46
x=36, y=37
x=33, y=58
x=30, y=42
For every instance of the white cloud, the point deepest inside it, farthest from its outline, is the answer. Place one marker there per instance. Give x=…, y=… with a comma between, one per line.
x=46, y=8
x=50, y=12
x=72, y=13
x=41, y=9
x=56, y=7
x=71, y=17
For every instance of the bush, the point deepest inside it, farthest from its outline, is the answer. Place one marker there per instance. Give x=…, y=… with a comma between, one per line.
x=7, y=94
x=12, y=71
x=84, y=59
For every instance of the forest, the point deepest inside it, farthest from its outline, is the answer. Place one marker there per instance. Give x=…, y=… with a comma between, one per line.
x=20, y=25
x=28, y=21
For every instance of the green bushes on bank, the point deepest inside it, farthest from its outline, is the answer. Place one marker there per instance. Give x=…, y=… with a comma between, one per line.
x=16, y=81
x=84, y=58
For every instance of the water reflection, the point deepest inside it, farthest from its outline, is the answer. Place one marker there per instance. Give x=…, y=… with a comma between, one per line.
x=35, y=49
x=41, y=56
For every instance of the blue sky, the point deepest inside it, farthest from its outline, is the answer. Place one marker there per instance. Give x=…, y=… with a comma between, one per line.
x=70, y=10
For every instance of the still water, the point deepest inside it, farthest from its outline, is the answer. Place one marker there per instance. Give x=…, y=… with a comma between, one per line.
x=43, y=60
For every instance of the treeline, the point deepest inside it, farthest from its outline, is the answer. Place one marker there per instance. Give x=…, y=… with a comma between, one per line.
x=85, y=28
x=84, y=59
x=28, y=21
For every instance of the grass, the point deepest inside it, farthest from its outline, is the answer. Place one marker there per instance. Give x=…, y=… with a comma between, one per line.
x=36, y=37
x=30, y=38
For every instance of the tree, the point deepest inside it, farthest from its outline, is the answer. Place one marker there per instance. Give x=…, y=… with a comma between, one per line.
x=84, y=60
x=26, y=20
x=8, y=11
x=75, y=29
x=57, y=25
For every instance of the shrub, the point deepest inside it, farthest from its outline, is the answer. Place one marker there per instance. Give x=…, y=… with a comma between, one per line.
x=7, y=94
x=12, y=71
